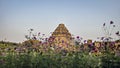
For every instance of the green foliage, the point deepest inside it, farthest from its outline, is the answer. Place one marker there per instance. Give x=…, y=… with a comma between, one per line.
x=49, y=58
x=110, y=61
x=76, y=60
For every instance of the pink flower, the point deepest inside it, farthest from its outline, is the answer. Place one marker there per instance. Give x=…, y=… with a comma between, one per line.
x=34, y=38
x=85, y=41
x=77, y=37
x=117, y=33
x=111, y=22
x=102, y=38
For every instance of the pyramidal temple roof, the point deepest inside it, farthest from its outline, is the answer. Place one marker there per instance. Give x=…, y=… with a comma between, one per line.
x=61, y=30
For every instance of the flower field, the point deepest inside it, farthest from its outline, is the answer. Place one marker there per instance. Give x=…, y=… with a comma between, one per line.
x=38, y=55
x=61, y=51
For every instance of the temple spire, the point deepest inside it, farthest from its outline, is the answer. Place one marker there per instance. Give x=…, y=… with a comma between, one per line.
x=61, y=32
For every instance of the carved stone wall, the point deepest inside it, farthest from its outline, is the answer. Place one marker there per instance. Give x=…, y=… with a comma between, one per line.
x=61, y=34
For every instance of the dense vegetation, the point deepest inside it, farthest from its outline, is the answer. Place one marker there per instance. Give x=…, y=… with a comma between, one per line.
x=13, y=55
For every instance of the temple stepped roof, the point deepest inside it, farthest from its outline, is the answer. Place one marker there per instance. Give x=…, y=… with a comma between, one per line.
x=62, y=35
x=61, y=30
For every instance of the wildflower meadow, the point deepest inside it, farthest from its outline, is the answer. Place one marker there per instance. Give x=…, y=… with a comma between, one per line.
x=41, y=52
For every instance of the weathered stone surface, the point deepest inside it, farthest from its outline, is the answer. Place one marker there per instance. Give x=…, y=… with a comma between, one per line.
x=61, y=34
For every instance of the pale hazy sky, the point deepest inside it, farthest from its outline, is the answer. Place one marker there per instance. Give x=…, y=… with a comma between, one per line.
x=82, y=17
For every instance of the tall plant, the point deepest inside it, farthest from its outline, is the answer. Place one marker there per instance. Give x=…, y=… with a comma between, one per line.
x=108, y=30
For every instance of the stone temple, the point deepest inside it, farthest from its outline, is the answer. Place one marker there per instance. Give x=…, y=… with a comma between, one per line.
x=61, y=34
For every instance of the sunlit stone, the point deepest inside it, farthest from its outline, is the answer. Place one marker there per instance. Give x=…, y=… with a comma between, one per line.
x=62, y=34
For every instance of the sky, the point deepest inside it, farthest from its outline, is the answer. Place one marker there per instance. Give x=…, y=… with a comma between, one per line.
x=82, y=18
